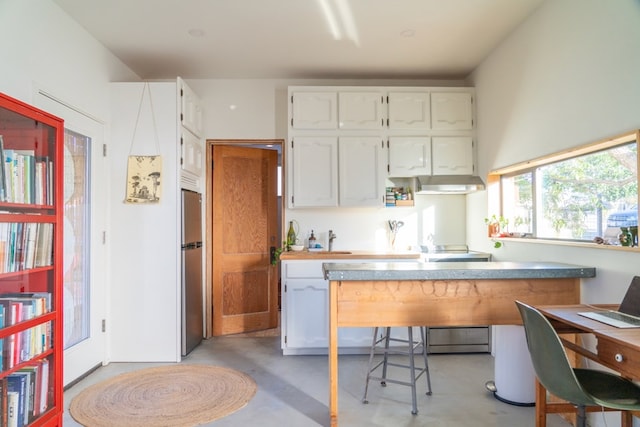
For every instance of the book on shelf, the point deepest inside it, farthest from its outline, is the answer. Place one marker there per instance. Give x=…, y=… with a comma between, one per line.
x=31, y=404
x=44, y=386
x=17, y=383
x=3, y=181
x=12, y=408
x=24, y=177
x=24, y=394
x=26, y=246
x=3, y=402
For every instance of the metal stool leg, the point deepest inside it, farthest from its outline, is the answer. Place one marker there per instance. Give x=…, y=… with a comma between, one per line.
x=413, y=350
x=423, y=336
x=369, y=369
x=412, y=373
x=387, y=338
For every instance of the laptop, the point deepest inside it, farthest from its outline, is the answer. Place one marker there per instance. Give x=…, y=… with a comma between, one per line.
x=627, y=315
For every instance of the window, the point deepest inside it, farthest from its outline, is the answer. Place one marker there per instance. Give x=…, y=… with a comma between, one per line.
x=577, y=195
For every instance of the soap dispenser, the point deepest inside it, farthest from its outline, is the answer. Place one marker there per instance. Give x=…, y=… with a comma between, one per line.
x=312, y=241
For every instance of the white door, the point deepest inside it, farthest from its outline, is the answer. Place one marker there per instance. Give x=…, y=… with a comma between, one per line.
x=85, y=255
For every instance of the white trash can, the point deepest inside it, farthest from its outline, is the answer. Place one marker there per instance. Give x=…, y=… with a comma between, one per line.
x=514, y=374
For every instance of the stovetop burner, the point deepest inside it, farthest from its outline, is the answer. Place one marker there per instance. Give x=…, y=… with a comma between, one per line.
x=450, y=249
x=453, y=253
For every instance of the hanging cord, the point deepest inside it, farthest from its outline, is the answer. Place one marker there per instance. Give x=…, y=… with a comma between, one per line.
x=153, y=119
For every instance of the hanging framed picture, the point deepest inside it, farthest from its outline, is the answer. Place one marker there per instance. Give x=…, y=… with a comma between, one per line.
x=144, y=175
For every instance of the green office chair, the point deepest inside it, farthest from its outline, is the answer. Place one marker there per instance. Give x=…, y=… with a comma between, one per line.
x=581, y=387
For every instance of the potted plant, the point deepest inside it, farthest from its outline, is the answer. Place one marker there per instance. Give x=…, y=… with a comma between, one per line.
x=497, y=225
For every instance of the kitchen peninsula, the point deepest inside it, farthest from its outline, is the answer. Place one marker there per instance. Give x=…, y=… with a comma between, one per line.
x=435, y=294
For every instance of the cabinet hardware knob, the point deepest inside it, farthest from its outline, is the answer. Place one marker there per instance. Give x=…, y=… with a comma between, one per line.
x=619, y=357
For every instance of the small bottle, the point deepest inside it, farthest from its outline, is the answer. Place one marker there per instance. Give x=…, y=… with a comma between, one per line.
x=312, y=240
x=291, y=236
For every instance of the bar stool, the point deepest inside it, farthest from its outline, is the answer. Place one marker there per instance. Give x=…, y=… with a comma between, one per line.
x=411, y=349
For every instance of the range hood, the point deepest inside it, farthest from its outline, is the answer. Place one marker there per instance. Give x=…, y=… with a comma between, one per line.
x=449, y=184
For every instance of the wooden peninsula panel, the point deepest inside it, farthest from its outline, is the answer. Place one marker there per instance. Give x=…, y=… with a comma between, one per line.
x=446, y=302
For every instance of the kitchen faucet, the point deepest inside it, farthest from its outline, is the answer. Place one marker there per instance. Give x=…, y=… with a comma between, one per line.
x=332, y=236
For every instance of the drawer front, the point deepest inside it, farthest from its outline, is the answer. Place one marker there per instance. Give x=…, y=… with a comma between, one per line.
x=628, y=363
x=303, y=270
x=457, y=336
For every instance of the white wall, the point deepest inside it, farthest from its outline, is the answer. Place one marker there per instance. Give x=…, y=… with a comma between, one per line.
x=42, y=46
x=257, y=109
x=566, y=77
x=145, y=278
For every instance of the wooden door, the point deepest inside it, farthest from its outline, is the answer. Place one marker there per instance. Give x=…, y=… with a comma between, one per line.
x=245, y=228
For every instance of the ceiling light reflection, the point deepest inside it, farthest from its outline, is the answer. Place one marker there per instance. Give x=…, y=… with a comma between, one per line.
x=337, y=14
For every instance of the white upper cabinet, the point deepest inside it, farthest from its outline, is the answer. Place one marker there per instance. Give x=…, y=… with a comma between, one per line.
x=409, y=110
x=314, y=110
x=451, y=111
x=345, y=141
x=361, y=160
x=314, y=181
x=452, y=155
x=409, y=156
x=361, y=110
x=190, y=109
x=191, y=160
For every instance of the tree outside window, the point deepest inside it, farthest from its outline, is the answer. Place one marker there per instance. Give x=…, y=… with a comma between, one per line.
x=585, y=197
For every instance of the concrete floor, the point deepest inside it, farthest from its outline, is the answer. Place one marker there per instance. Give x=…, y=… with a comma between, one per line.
x=293, y=390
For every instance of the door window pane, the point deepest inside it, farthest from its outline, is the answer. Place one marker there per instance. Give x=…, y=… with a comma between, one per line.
x=76, y=238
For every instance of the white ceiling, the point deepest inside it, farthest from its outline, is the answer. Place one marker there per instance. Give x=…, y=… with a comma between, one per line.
x=383, y=39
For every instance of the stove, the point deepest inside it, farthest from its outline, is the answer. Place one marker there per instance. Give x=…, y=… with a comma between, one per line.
x=459, y=339
x=453, y=253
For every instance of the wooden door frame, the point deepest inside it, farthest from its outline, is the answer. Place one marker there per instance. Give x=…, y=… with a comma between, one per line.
x=210, y=143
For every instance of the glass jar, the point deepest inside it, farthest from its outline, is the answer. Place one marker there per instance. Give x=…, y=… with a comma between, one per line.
x=625, y=237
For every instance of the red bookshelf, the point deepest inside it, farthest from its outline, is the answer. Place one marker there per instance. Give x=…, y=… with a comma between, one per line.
x=31, y=328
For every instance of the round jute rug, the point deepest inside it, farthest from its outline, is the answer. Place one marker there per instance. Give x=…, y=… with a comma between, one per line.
x=166, y=396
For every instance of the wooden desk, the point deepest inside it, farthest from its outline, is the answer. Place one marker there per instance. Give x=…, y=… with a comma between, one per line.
x=448, y=294
x=617, y=349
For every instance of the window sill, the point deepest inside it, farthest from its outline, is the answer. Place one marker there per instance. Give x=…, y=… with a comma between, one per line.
x=567, y=243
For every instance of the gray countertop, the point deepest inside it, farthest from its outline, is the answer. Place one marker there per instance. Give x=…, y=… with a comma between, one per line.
x=454, y=271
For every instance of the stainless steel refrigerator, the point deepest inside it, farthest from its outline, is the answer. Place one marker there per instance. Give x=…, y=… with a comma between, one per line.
x=192, y=309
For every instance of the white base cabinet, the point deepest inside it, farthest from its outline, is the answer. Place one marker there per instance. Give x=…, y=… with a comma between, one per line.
x=305, y=312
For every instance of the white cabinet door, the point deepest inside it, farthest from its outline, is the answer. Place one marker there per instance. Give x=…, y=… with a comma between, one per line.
x=314, y=180
x=409, y=110
x=190, y=109
x=452, y=155
x=362, y=165
x=314, y=110
x=360, y=110
x=451, y=111
x=409, y=156
x=191, y=161
x=307, y=324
